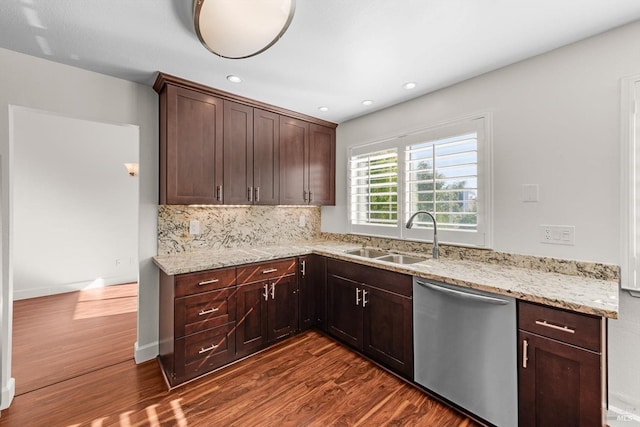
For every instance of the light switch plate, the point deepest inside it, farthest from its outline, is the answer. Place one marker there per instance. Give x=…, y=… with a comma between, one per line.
x=557, y=234
x=530, y=192
x=194, y=227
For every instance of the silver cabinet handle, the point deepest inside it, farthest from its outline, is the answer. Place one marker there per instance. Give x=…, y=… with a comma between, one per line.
x=303, y=268
x=273, y=291
x=250, y=194
x=525, y=350
x=364, y=298
x=219, y=194
x=205, y=312
x=257, y=194
x=269, y=270
x=556, y=327
x=357, y=296
x=304, y=195
x=266, y=292
x=310, y=196
x=205, y=350
x=208, y=282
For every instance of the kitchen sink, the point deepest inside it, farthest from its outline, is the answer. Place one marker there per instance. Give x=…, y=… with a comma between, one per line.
x=367, y=252
x=401, y=259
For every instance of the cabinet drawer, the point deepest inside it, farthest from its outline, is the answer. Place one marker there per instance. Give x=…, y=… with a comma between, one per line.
x=578, y=329
x=383, y=279
x=204, y=311
x=199, y=353
x=193, y=283
x=266, y=270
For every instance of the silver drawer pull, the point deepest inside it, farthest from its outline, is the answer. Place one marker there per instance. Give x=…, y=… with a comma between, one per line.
x=556, y=327
x=525, y=353
x=208, y=282
x=205, y=350
x=269, y=270
x=205, y=312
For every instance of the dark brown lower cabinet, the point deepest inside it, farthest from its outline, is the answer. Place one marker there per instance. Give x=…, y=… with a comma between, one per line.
x=267, y=310
x=251, y=329
x=371, y=310
x=312, y=285
x=561, y=368
x=197, y=323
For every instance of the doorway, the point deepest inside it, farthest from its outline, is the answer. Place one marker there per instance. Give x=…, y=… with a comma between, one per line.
x=75, y=234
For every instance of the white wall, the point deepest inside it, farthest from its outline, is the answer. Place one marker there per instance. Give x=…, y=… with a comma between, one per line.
x=556, y=123
x=43, y=85
x=75, y=207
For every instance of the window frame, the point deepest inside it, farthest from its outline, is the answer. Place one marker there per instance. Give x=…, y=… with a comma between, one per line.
x=482, y=237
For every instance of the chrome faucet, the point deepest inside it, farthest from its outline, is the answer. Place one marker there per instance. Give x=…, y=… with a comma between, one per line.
x=436, y=250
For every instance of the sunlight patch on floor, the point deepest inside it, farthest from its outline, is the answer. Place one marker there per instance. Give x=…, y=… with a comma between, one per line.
x=106, y=301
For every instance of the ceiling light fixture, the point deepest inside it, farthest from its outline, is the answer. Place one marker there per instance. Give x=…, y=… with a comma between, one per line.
x=409, y=85
x=367, y=102
x=234, y=79
x=323, y=109
x=241, y=28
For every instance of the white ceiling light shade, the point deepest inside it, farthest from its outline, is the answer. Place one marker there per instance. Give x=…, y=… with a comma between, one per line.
x=241, y=28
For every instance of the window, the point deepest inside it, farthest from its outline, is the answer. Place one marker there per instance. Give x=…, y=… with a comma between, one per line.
x=374, y=188
x=443, y=170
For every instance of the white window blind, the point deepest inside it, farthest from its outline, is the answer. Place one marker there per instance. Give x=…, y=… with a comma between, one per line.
x=445, y=170
x=374, y=188
x=442, y=178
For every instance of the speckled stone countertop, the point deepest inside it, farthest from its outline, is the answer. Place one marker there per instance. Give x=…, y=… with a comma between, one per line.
x=581, y=294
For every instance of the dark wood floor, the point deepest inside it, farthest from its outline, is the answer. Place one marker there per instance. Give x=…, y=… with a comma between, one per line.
x=308, y=380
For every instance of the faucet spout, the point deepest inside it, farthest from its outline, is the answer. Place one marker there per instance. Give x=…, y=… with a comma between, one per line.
x=436, y=249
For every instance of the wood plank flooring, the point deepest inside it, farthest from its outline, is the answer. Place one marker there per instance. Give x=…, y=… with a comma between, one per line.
x=62, y=336
x=307, y=380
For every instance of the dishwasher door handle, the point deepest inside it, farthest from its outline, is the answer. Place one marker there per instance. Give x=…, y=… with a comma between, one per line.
x=461, y=294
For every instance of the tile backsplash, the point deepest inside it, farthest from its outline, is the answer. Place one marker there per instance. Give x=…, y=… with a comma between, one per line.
x=234, y=226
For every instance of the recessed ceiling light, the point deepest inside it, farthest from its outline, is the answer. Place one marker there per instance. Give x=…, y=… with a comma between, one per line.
x=234, y=79
x=367, y=102
x=323, y=109
x=409, y=85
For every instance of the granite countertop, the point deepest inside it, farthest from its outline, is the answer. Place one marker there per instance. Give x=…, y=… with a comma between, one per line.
x=580, y=294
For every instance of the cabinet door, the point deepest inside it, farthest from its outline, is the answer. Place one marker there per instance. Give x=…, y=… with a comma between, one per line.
x=559, y=385
x=266, y=157
x=294, y=146
x=251, y=315
x=387, y=329
x=282, y=308
x=191, y=148
x=344, y=310
x=313, y=292
x=322, y=165
x=238, y=154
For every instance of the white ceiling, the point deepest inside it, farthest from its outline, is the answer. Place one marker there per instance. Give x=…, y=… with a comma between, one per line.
x=336, y=53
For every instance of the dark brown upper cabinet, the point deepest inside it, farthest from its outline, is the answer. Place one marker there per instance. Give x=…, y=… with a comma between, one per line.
x=191, y=133
x=216, y=147
x=238, y=153
x=307, y=163
x=266, y=157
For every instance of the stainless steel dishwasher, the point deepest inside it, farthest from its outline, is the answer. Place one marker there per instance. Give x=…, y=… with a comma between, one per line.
x=465, y=348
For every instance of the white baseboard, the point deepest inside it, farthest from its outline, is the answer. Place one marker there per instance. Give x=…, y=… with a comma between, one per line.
x=19, y=294
x=146, y=352
x=8, y=393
